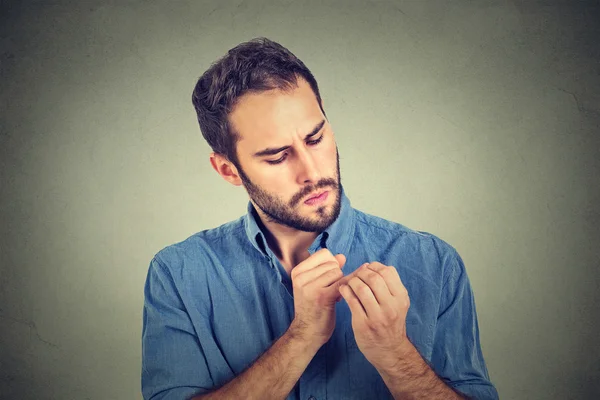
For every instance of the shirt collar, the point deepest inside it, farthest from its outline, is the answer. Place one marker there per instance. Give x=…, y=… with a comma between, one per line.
x=336, y=237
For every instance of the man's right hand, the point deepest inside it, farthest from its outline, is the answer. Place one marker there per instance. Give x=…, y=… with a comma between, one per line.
x=315, y=283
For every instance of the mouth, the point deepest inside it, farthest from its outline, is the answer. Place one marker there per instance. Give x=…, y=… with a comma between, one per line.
x=317, y=198
x=316, y=195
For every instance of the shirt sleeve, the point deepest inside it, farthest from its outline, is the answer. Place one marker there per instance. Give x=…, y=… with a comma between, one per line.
x=173, y=363
x=457, y=356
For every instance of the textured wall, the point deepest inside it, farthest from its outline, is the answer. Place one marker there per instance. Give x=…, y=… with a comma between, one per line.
x=476, y=121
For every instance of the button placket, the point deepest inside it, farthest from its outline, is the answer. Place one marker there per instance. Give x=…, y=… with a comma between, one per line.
x=283, y=280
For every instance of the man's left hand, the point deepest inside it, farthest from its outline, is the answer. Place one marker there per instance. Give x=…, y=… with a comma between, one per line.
x=379, y=303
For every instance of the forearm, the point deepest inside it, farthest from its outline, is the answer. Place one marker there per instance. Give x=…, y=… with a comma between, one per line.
x=273, y=375
x=412, y=378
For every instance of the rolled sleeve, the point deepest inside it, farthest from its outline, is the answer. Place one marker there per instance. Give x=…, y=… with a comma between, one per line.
x=457, y=357
x=173, y=363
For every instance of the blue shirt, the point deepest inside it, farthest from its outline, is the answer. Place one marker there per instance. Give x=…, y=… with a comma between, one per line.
x=216, y=301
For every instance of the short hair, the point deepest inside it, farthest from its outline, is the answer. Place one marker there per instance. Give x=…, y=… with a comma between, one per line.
x=254, y=66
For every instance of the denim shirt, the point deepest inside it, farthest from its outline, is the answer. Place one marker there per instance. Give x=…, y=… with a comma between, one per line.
x=216, y=301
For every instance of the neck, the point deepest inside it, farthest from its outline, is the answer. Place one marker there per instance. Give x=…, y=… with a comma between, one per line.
x=288, y=244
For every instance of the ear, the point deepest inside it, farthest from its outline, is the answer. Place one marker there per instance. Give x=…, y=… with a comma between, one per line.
x=225, y=168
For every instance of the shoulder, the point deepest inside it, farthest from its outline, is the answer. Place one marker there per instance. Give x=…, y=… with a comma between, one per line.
x=422, y=254
x=201, y=249
x=392, y=231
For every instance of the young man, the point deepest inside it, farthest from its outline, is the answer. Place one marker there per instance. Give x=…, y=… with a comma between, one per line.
x=304, y=297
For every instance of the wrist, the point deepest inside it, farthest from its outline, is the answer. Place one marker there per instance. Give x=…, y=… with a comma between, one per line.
x=299, y=332
x=407, y=362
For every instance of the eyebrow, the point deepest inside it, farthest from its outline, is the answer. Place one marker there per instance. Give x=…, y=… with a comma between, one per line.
x=272, y=151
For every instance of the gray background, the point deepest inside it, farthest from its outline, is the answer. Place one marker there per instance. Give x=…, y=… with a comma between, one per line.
x=476, y=121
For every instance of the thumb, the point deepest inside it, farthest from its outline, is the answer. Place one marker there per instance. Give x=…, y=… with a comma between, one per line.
x=341, y=259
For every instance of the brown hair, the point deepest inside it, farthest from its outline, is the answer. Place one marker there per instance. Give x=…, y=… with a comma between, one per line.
x=254, y=66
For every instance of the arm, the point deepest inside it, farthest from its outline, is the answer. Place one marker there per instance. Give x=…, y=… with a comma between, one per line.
x=276, y=372
x=457, y=369
x=457, y=357
x=412, y=378
x=273, y=375
x=379, y=302
x=174, y=360
x=176, y=353
x=174, y=363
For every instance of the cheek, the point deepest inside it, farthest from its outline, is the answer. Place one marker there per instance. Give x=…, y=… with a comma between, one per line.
x=331, y=155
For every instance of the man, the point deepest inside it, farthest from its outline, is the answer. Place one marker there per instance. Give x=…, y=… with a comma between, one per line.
x=304, y=297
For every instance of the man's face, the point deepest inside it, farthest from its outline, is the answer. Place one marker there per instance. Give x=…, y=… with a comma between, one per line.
x=275, y=119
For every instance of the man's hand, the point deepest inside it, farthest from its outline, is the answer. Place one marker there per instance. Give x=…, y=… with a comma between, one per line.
x=315, y=294
x=379, y=303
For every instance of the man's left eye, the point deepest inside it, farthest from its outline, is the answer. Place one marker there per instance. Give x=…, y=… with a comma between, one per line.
x=316, y=141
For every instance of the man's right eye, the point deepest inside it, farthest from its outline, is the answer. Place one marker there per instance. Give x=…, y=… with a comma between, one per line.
x=278, y=161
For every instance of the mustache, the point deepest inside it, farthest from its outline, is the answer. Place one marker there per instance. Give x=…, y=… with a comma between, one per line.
x=327, y=184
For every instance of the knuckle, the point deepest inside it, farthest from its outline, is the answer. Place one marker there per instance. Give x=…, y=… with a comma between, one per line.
x=363, y=289
x=327, y=274
x=330, y=264
x=297, y=281
x=380, y=323
x=335, y=273
x=325, y=252
x=372, y=277
x=373, y=325
x=405, y=303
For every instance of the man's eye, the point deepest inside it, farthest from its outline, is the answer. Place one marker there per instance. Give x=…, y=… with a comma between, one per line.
x=280, y=160
x=316, y=141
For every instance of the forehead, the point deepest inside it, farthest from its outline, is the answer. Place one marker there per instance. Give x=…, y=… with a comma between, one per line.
x=271, y=117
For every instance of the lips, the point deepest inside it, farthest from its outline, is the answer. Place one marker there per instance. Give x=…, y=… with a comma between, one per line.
x=316, y=195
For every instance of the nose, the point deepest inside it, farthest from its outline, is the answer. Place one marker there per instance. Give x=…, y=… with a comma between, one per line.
x=308, y=168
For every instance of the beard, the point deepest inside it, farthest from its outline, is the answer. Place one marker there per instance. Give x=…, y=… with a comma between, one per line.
x=281, y=212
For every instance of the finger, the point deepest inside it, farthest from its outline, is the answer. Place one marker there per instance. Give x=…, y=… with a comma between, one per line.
x=391, y=277
x=345, y=279
x=341, y=259
x=377, y=285
x=328, y=284
x=329, y=276
x=311, y=275
x=317, y=258
x=353, y=302
x=366, y=297
x=321, y=285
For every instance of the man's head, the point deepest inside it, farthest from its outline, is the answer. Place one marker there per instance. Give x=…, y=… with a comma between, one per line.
x=260, y=97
